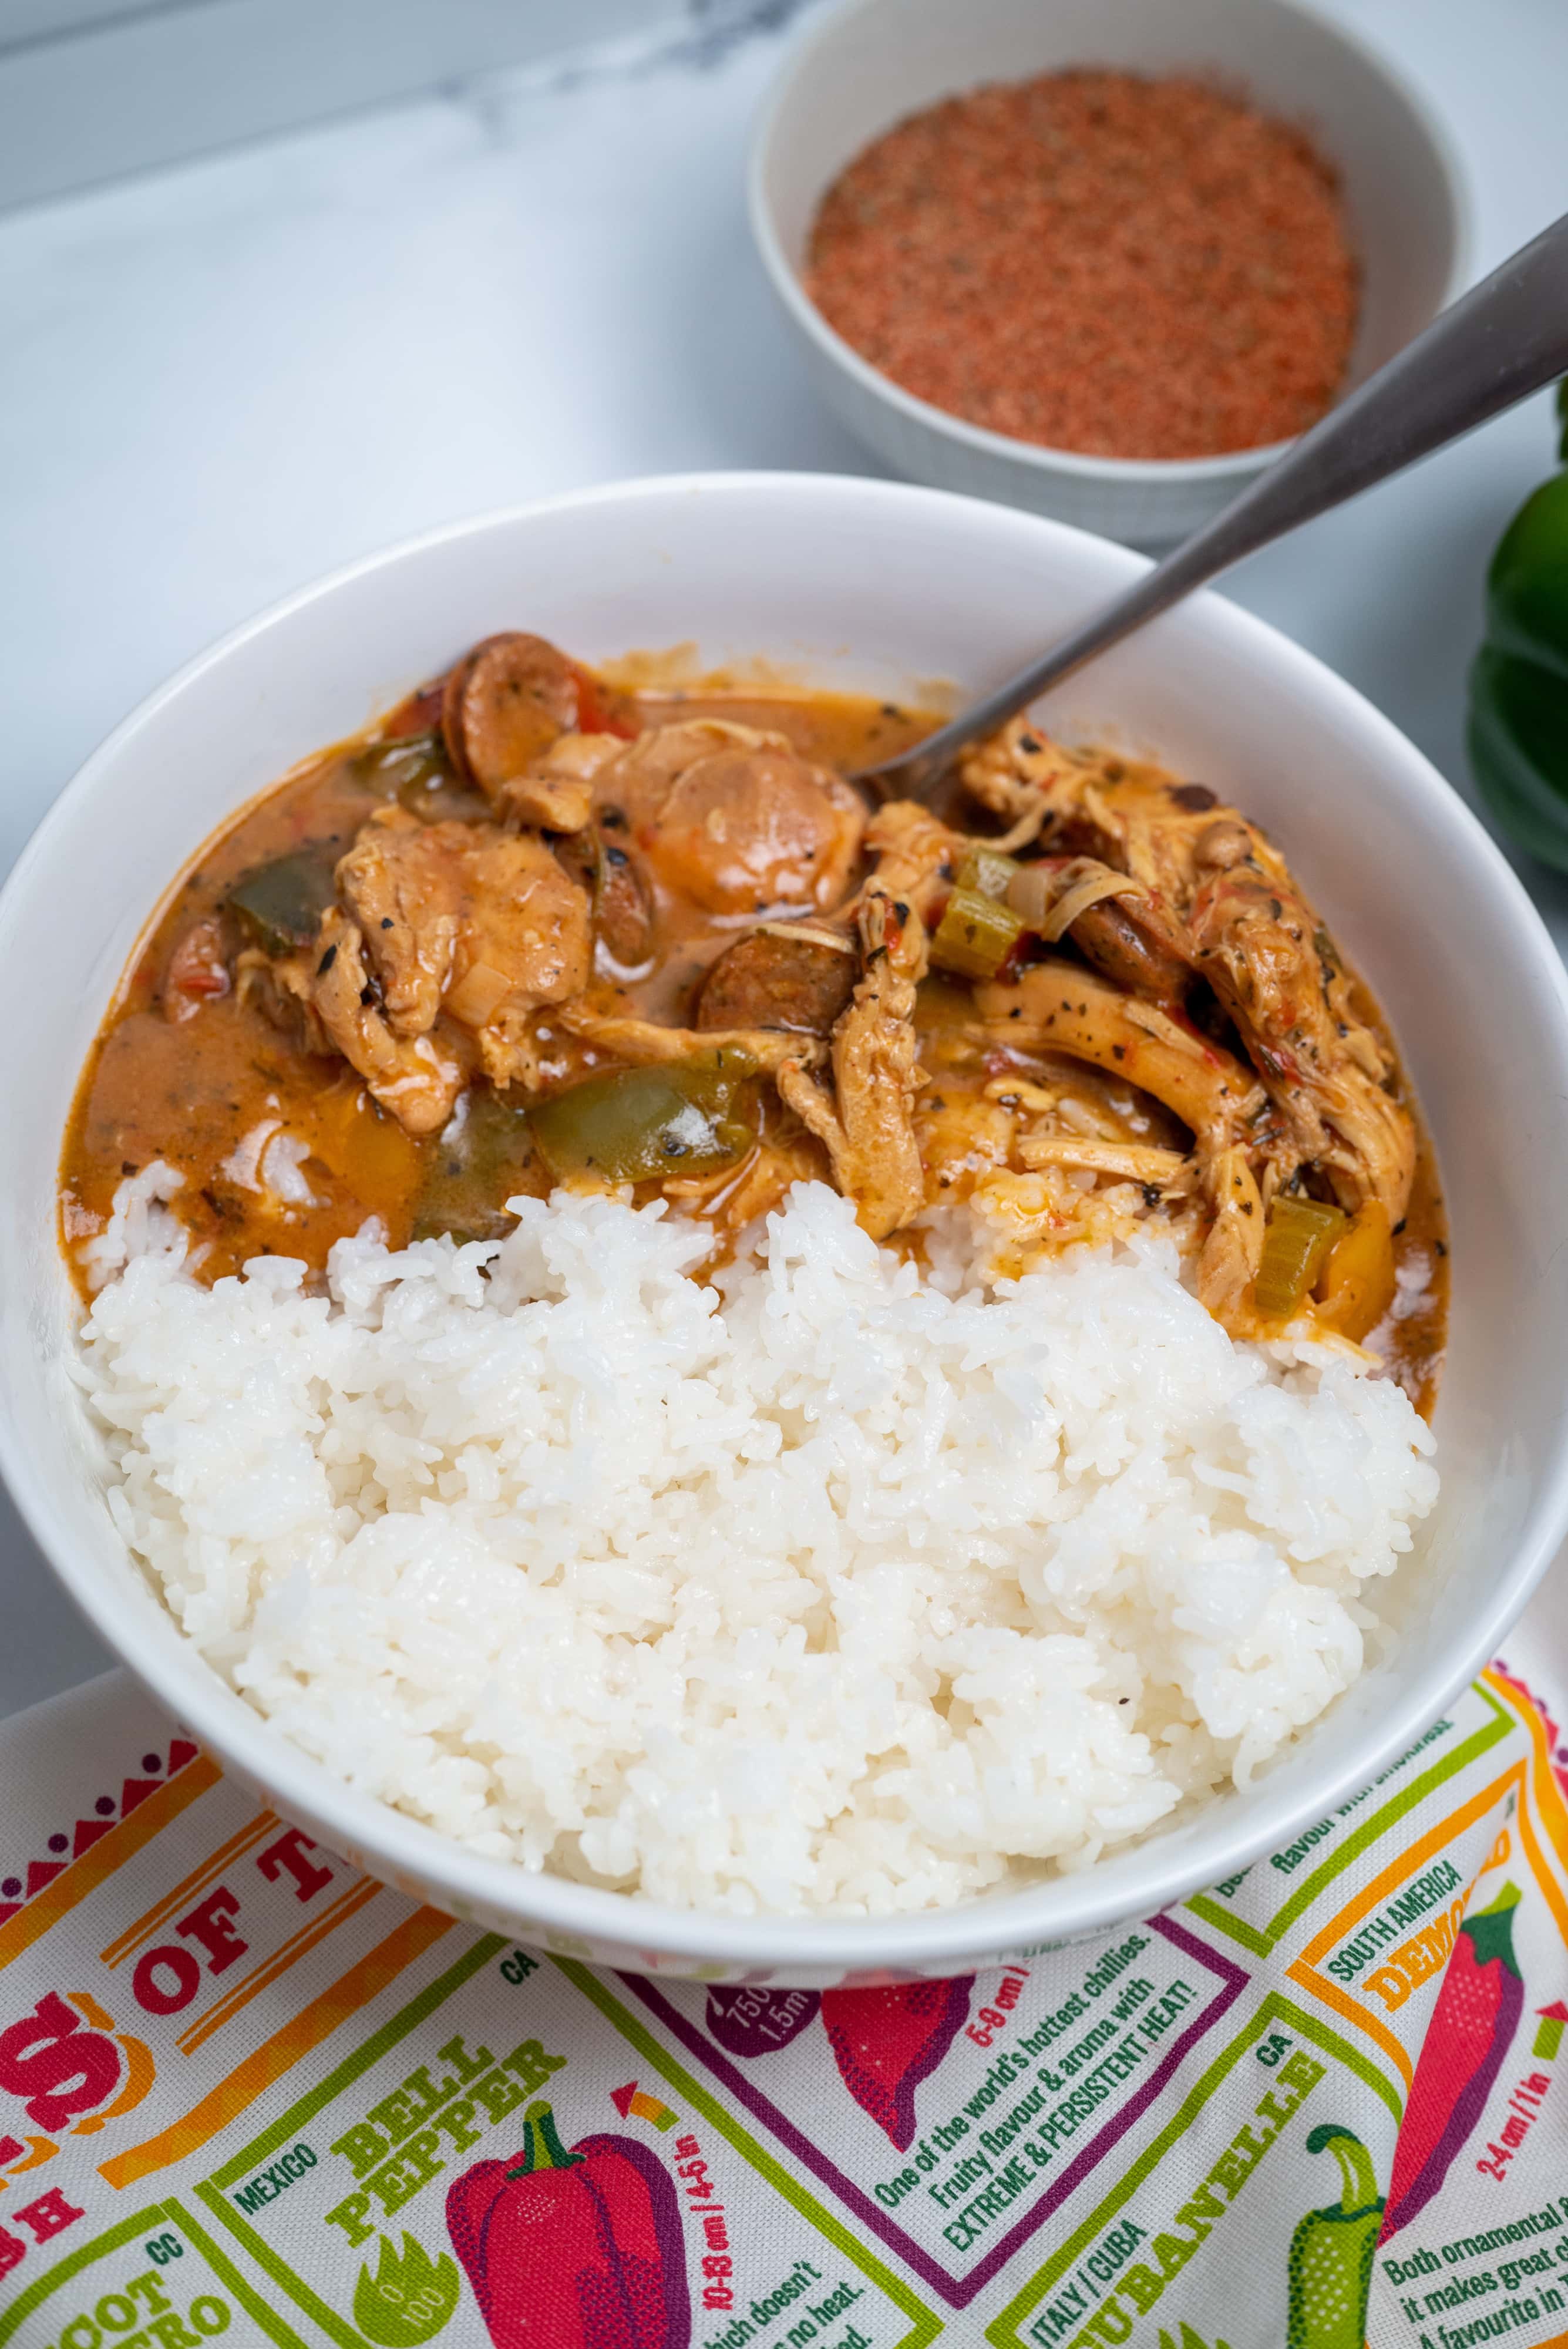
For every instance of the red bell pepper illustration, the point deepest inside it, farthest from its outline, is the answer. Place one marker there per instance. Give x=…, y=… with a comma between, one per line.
x=573, y=2251
x=1472, y=2029
x=887, y=2041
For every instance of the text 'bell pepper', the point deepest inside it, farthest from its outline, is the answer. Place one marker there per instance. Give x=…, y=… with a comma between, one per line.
x=573, y=2250
x=1332, y=2251
x=1473, y=2027
x=1518, y=735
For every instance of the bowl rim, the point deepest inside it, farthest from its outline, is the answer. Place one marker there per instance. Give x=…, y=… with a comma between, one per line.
x=556, y=1910
x=1151, y=472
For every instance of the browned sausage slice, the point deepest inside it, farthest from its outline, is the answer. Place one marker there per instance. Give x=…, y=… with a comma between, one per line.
x=505, y=702
x=781, y=976
x=1119, y=946
x=623, y=911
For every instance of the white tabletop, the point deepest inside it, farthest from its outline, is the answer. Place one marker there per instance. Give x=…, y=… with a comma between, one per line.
x=223, y=379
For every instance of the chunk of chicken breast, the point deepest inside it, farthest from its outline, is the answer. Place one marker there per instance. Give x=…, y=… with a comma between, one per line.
x=417, y=1077
x=474, y=926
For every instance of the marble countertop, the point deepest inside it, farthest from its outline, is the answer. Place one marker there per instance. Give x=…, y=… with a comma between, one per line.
x=225, y=378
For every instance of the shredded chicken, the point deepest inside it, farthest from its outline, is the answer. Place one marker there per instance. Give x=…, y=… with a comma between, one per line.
x=1274, y=969
x=1057, y=1006
x=712, y=863
x=1233, y=1247
x=640, y=1043
x=1216, y=899
x=917, y=858
x=1161, y=1170
x=867, y=1123
x=1130, y=821
x=1011, y=771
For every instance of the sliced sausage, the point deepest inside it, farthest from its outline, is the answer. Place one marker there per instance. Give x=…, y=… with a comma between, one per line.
x=623, y=907
x=1119, y=946
x=735, y=819
x=781, y=976
x=623, y=910
x=504, y=704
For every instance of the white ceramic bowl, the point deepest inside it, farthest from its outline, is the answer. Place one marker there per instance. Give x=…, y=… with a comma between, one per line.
x=876, y=585
x=872, y=62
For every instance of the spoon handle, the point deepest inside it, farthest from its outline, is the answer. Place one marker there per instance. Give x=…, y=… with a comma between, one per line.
x=1496, y=343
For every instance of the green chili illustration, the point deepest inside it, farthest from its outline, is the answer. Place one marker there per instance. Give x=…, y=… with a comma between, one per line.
x=408, y=2299
x=1332, y=2251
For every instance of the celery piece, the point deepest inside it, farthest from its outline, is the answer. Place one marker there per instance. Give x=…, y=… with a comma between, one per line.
x=975, y=936
x=1297, y=1237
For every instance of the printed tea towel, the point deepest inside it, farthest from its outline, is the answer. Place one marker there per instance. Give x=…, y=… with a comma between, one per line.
x=246, y=2092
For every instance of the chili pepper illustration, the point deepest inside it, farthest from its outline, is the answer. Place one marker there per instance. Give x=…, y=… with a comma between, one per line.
x=887, y=2041
x=573, y=2251
x=1332, y=2251
x=408, y=2298
x=1472, y=2026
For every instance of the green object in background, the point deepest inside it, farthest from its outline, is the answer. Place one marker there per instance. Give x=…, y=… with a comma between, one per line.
x=1332, y=2251
x=1518, y=734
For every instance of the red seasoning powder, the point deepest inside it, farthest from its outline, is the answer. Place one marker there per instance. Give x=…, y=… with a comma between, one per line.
x=1095, y=261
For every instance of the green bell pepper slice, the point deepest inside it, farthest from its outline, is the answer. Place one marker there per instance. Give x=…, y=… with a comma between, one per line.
x=278, y=907
x=636, y=1125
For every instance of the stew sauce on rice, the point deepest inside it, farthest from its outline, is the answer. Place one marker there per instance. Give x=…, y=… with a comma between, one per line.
x=536, y=928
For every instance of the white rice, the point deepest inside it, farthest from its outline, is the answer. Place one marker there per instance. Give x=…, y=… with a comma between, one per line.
x=856, y=1590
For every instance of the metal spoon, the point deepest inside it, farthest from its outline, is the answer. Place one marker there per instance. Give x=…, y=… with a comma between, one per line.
x=1496, y=343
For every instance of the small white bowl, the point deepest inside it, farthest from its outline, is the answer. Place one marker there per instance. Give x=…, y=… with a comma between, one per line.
x=874, y=62
x=916, y=585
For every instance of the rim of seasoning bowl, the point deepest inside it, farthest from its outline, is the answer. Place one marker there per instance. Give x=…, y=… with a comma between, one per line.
x=871, y=64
